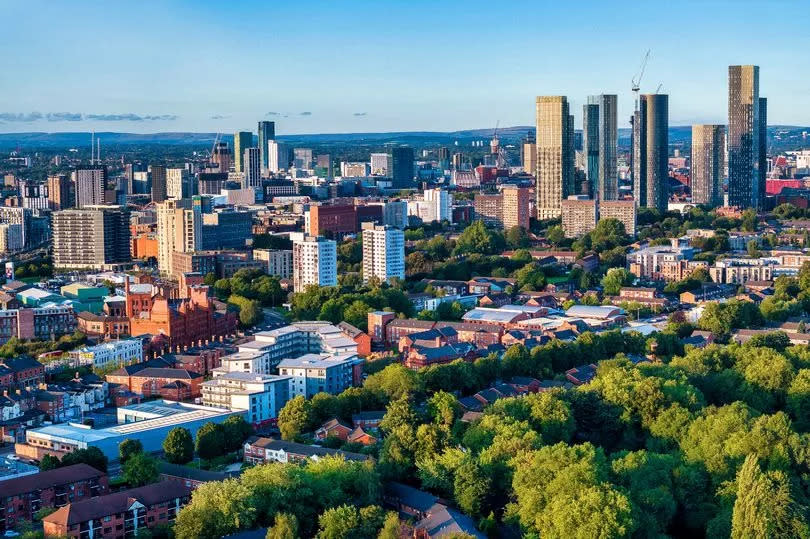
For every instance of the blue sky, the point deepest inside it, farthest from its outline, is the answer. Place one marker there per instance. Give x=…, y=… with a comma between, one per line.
x=356, y=65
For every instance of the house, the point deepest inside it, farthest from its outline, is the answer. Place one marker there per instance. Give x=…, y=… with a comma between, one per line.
x=587, y=262
x=449, y=287
x=24, y=496
x=369, y=420
x=431, y=338
x=494, y=300
x=423, y=356
x=581, y=375
x=444, y=521
x=26, y=371
x=169, y=383
x=699, y=339
x=489, y=285
x=121, y=514
x=334, y=428
x=708, y=292
x=360, y=436
x=258, y=450
x=408, y=500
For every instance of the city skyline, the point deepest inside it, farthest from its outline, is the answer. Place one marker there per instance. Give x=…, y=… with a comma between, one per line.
x=423, y=74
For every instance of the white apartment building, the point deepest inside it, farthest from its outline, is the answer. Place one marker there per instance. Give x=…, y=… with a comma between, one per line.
x=358, y=169
x=279, y=156
x=263, y=354
x=314, y=262
x=313, y=373
x=380, y=164
x=260, y=396
x=279, y=261
x=110, y=353
x=383, y=252
x=179, y=229
x=742, y=270
x=178, y=184
x=442, y=204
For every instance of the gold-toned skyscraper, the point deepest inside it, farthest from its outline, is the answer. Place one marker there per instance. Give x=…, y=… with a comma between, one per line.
x=555, y=155
x=708, y=163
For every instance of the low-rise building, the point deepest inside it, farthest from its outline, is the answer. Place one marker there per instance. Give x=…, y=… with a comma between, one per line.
x=258, y=450
x=742, y=270
x=260, y=396
x=121, y=514
x=110, y=353
x=315, y=373
x=169, y=383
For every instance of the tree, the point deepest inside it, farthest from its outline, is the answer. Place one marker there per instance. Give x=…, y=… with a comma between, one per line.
x=339, y=523
x=615, y=279
x=210, y=441
x=128, y=448
x=753, y=248
x=749, y=220
x=178, y=446
x=217, y=509
x=295, y=417
x=236, y=431
x=393, y=381
x=357, y=314
x=765, y=506
x=477, y=238
x=48, y=462
x=517, y=237
x=250, y=311
x=471, y=487
x=92, y=456
x=285, y=526
x=140, y=469
x=391, y=527
x=555, y=235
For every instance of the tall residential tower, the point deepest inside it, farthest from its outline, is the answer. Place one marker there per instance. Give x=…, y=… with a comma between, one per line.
x=267, y=132
x=708, y=164
x=651, y=152
x=555, y=155
x=744, y=144
x=599, y=143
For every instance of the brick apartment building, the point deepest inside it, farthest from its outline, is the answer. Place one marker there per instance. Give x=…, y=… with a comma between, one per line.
x=121, y=514
x=24, y=496
x=168, y=383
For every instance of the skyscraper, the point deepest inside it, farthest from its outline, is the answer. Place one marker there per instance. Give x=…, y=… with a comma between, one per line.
x=279, y=155
x=383, y=252
x=179, y=229
x=651, y=152
x=267, y=132
x=599, y=143
x=555, y=155
x=241, y=141
x=708, y=164
x=91, y=183
x=158, y=183
x=763, y=147
x=402, y=167
x=179, y=183
x=744, y=144
x=95, y=237
x=59, y=192
x=253, y=177
x=314, y=262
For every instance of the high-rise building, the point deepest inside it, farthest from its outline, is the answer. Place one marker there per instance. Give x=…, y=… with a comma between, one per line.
x=380, y=164
x=763, y=147
x=489, y=209
x=444, y=158
x=743, y=136
x=267, y=132
x=18, y=216
x=383, y=252
x=528, y=154
x=159, y=192
x=579, y=216
x=242, y=140
x=651, y=152
x=708, y=164
x=222, y=157
x=302, y=158
x=323, y=164
x=179, y=229
x=621, y=210
x=402, y=167
x=441, y=203
x=178, y=183
x=94, y=237
x=555, y=155
x=314, y=262
x=279, y=155
x=91, y=185
x=395, y=213
x=34, y=196
x=252, y=168
x=515, y=207
x=599, y=144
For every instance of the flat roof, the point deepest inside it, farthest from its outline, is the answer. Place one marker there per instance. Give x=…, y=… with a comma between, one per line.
x=317, y=360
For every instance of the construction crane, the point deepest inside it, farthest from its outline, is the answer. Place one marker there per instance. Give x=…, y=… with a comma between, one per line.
x=640, y=75
x=657, y=90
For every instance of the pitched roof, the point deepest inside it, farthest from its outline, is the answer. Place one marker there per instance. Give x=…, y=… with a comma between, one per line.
x=119, y=502
x=303, y=449
x=178, y=470
x=41, y=480
x=410, y=497
x=21, y=363
x=163, y=372
x=442, y=521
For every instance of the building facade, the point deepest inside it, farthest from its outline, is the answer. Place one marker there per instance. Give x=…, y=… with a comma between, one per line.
x=555, y=155
x=743, y=136
x=91, y=185
x=708, y=164
x=599, y=144
x=651, y=152
x=383, y=252
x=314, y=262
x=91, y=238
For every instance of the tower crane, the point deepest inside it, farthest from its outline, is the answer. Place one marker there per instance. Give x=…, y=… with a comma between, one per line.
x=639, y=75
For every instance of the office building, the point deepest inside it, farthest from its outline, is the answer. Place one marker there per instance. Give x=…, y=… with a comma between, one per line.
x=260, y=396
x=279, y=262
x=358, y=169
x=141, y=182
x=380, y=164
x=383, y=252
x=226, y=229
x=599, y=145
x=59, y=192
x=302, y=158
x=314, y=262
x=178, y=183
x=744, y=142
x=651, y=152
x=555, y=155
x=11, y=238
x=179, y=228
x=91, y=185
x=119, y=352
x=159, y=188
x=267, y=132
x=279, y=156
x=402, y=167
x=18, y=216
x=34, y=196
x=242, y=140
x=211, y=183
x=708, y=164
x=93, y=237
x=252, y=169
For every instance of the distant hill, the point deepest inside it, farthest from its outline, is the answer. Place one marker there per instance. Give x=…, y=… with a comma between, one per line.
x=677, y=134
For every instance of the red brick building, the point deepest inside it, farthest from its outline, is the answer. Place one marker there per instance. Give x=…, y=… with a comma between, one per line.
x=362, y=339
x=184, y=321
x=25, y=371
x=21, y=497
x=121, y=514
x=168, y=383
